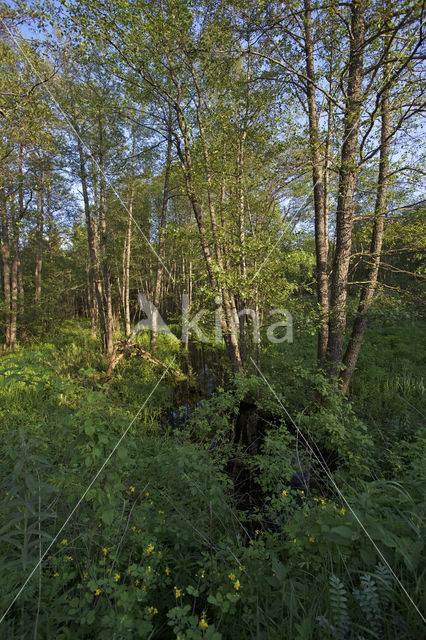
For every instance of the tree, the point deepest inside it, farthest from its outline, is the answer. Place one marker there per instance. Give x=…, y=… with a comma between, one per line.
x=382, y=62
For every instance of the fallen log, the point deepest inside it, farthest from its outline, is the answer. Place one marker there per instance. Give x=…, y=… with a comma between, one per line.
x=123, y=347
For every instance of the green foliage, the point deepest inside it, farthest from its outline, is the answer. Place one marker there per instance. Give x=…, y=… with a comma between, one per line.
x=157, y=546
x=363, y=610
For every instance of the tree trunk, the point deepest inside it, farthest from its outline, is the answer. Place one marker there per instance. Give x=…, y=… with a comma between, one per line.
x=242, y=240
x=14, y=292
x=91, y=303
x=20, y=291
x=128, y=245
x=108, y=335
x=367, y=293
x=229, y=335
x=5, y=255
x=226, y=322
x=321, y=218
x=39, y=241
x=161, y=237
x=345, y=205
x=93, y=253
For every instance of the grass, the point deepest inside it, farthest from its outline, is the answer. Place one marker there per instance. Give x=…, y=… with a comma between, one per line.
x=162, y=516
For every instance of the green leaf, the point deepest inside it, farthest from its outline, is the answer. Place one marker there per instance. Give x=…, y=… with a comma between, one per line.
x=108, y=516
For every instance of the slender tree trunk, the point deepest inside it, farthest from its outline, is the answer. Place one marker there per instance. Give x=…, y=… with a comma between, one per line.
x=108, y=336
x=93, y=253
x=187, y=169
x=321, y=222
x=230, y=337
x=327, y=156
x=128, y=246
x=185, y=341
x=161, y=236
x=14, y=292
x=20, y=291
x=50, y=223
x=242, y=240
x=5, y=254
x=91, y=303
x=226, y=321
x=367, y=293
x=14, y=270
x=345, y=205
x=39, y=241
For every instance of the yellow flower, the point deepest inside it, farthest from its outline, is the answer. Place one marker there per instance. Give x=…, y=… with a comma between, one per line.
x=342, y=511
x=64, y=541
x=251, y=541
x=56, y=575
x=294, y=540
x=131, y=489
x=85, y=574
x=104, y=551
x=167, y=570
x=67, y=557
x=160, y=512
x=147, y=495
x=98, y=592
x=133, y=528
x=203, y=573
x=137, y=581
x=153, y=610
x=257, y=532
x=178, y=592
x=150, y=548
x=241, y=568
x=203, y=624
x=284, y=492
x=237, y=585
x=117, y=577
x=231, y=577
x=148, y=570
x=311, y=539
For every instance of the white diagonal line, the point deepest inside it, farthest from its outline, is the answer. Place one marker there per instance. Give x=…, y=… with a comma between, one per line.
x=70, y=124
x=80, y=500
x=342, y=497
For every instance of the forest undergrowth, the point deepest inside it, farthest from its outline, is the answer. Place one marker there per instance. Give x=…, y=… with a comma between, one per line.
x=164, y=544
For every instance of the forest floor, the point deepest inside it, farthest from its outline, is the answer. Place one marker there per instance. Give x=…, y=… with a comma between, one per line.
x=124, y=515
